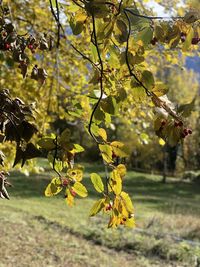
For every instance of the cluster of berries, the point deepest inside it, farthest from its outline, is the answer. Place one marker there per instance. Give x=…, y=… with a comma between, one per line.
x=195, y=40
x=185, y=131
x=65, y=183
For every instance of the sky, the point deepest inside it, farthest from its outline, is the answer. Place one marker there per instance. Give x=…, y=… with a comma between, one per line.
x=157, y=8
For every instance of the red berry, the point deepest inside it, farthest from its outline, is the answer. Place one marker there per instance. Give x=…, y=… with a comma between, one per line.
x=189, y=131
x=65, y=182
x=114, y=155
x=7, y=46
x=185, y=131
x=73, y=193
x=163, y=122
x=176, y=124
x=183, y=135
x=154, y=41
x=109, y=207
x=30, y=46
x=183, y=37
x=180, y=123
x=195, y=40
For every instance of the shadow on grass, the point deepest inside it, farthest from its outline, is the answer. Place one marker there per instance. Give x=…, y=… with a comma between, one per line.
x=28, y=186
x=143, y=188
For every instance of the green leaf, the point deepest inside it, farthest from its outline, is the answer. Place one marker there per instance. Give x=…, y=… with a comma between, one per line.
x=145, y=35
x=122, y=29
x=148, y=79
x=99, y=114
x=97, y=8
x=65, y=136
x=80, y=189
x=47, y=143
x=97, y=182
x=159, y=33
x=191, y=16
x=97, y=207
x=137, y=23
x=109, y=105
x=187, y=109
x=138, y=91
x=94, y=53
x=58, y=166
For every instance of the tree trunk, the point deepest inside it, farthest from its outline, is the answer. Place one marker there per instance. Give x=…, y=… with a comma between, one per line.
x=164, y=164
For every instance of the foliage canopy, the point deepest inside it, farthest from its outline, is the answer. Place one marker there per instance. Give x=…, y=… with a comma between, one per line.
x=88, y=62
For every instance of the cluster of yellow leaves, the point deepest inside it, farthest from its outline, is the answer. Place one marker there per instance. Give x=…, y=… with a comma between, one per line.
x=71, y=182
x=115, y=202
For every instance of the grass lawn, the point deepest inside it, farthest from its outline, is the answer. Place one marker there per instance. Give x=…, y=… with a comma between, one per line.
x=39, y=231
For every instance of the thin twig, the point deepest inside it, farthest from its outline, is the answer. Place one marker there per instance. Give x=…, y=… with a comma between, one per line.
x=127, y=60
x=59, y=25
x=57, y=19
x=150, y=17
x=119, y=8
x=55, y=155
x=100, y=80
x=76, y=3
x=84, y=56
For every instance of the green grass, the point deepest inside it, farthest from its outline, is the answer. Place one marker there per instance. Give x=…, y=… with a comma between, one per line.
x=162, y=212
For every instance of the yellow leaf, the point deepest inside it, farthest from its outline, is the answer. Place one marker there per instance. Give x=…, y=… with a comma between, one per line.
x=116, y=182
x=97, y=182
x=188, y=40
x=130, y=222
x=80, y=16
x=161, y=142
x=121, y=169
x=97, y=207
x=103, y=134
x=75, y=174
x=118, y=149
x=80, y=189
x=53, y=188
x=117, y=144
x=114, y=221
x=127, y=202
x=69, y=198
x=106, y=152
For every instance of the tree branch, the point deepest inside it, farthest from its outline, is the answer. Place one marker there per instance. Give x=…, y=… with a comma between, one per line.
x=100, y=80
